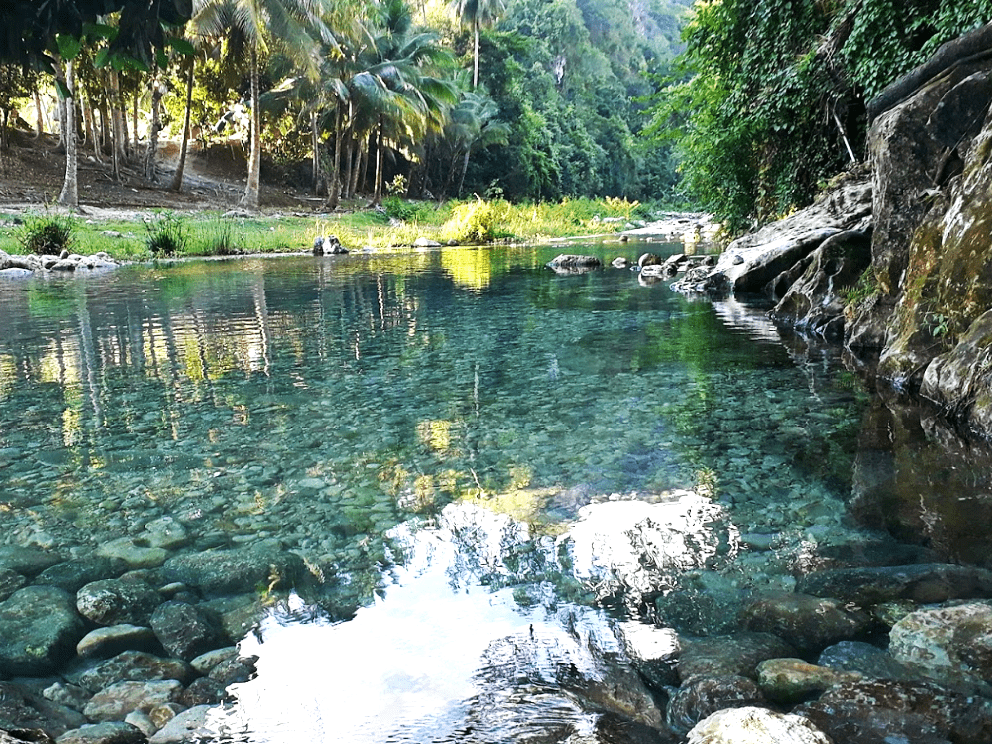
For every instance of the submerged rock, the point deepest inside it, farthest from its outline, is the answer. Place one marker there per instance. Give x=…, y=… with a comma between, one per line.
x=186, y=631
x=795, y=680
x=131, y=666
x=704, y=696
x=809, y=623
x=115, y=702
x=946, y=643
x=39, y=630
x=220, y=572
x=116, y=732
x=737, y=654
x=567, y=263
x=863, y=658
x=114, y=639
x=924, y=583
x=756, y=726
x=117, y=601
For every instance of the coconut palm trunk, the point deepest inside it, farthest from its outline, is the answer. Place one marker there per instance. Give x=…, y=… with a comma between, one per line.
x=250, y=198
x=69, y=195
x=177, y=179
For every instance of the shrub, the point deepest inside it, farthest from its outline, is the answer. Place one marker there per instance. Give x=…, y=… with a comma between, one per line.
x=167, y=235
x=474, y=222
x=48, y=235
x=219, y=239
x=410, y=211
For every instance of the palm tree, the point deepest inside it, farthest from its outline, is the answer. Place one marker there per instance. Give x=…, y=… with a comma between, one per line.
x=299, y=24
x=476, y=13
x=474, y=126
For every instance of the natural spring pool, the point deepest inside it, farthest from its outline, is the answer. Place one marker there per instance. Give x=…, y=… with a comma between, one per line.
x=462, y=473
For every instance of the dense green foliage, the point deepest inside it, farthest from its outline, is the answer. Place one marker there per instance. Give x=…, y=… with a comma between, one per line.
x=771, y=95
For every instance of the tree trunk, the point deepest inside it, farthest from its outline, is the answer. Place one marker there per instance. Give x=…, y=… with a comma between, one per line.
x=177, y=179
x=461, y=182
x=134, y=120
x=70, y=187
x=377, y=191
x=151, y=153
x=4, y=140
x=91, y=130
x=356, y=165
x=39, y=125
x=119, y=124
x=250, y=198
x=349, y=159
x=363, y=179
x=334, y=187
x=475, y=77
x=315, y=158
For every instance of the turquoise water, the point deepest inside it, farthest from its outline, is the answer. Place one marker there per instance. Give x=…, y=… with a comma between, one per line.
x=442, y=435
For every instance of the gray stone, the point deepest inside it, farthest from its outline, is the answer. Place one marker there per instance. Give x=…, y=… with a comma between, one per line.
x=205, y=662
x=132, y=666
x=736, y=654
x=649, y=259
x=117, y=601
x=808, y=623
x=115, y=702
x=69, y=695
x=22, y=709
x=10, y=582
x=567, y=263
x=113, y=639
x=187, y=631
x=924, y=583
x=39, y=629
x=756, y=726
x=702, y=697
x=795, y=680
x=423, y=242
x=142, y=721
x=190, y=725
x=959, y=115
x=234, y=670
x=222, y=572
x=203, y=691
x=117, y=732
x=134, y=555
x=75, y=574
x=27, y=561
x=957, y=380
x=952, y=644
x=166, y=532
x=869, y=661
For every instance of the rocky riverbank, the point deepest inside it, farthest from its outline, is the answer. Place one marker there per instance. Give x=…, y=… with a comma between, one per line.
x=14, y=265
x=894, y=260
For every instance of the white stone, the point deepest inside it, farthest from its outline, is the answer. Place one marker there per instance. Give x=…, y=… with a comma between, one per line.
x=756, y=726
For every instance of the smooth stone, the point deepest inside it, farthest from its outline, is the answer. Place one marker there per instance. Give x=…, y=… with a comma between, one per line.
x=570, y=263
x=863, y=658
x=737, y=654
x=166, y=533
x=74, y=575
x=203, y=691
x=186, y=631
x=134, y=555
x=190, y=725
x=27, y=561
x=752, y=725
x=703, y=696
x=165, y=712
x=809, y=623
x=113, y=639
x=142, y=721
x=238, y=571
x=132, y=666
x=116, y=732
x=946, y=643
x=235, y=670
x=794, y=680
x=10, y=582
x=115, y=702
x=925, y=583
x=205, y=662
x=117, y=601
x=39, y=630
x=423, y=242
x=69, y=695
x=24, y=709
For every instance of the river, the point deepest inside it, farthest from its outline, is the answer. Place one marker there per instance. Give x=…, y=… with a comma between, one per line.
x=486, y=471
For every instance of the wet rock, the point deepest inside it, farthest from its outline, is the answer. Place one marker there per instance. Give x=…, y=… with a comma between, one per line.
x=794, y=680
x=134, y=555
x=186, y=631
x=654, y=271
x=954, y=380
x=737, y=654
x=69, y=695
x=567, y=263
x=423, y=242
x=131, y=666
x=654, y=653
x=234, y=670
x=863, y=658
x=74, y=575
x=614, y=729
x=203, y=691
x=39, y=629
x=756, y=726
x=21, y=709
x=117, y=601
x=161, y=714
x=190, y=725
x=142, y=721
x=946, y=643
x=112, y=640
x=10, y=582
x=205, y=662
x=221, y=572
x=115, y=702
x=27, y=561
x=876, y=712
x=328, y=245
x=117, y=732
x=704, y=696
x=166, y=533
x=925, y=583
x=620, y=263
x=649, y=259
x=809, y=623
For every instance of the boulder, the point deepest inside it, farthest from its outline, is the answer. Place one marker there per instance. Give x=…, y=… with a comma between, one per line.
x=328, y=245
x=566, y=263
x=10, y=582
x=809, y=623
x=737, y=654
x=117, y=601
x=27, y=561
x=116, y=732
x=203, y=691
x=649, y=259
x=39, y=630
x=947, y=643
x=186, y=631
x=73, y=575
x=113, y=639
x=22, y=709
x=221, y=572
x=132, y=666
x=702, y=697
x=795, y=680
x=863, y=658
x=115, y=702
x=924, y=583
x=190, y=725
x=756, y=726
x=126, y=550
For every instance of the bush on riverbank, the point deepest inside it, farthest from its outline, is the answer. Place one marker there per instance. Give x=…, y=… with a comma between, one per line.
x=139, y=236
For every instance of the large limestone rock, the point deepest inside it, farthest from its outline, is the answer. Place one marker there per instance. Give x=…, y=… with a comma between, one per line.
x=947, y=643
x=39, y=629
x=756, y=726
x=960, y=380
x=117, y=601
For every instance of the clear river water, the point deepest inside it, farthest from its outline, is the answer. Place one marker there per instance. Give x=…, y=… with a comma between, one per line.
x=469, y=453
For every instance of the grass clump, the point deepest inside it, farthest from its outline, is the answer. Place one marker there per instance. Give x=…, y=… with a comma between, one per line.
x=217, y=239
x=47, y=235
x=167, y=235
x=475, y=222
